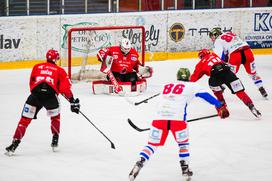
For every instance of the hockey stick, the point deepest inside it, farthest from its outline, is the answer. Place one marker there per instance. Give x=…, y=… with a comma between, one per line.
x=112, y=145
x=146, y=129
x=143, y=101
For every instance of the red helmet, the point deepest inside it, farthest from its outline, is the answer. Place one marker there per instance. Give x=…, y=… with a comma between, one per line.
x=202, y=53
x=52, y=55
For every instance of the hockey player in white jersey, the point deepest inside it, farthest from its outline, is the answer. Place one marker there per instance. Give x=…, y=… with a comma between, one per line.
x=171, y=116
x=236, y=52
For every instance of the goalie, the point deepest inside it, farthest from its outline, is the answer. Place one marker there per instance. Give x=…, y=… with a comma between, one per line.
x=123, y=68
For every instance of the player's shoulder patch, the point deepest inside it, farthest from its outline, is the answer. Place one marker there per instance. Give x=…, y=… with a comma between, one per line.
x=133, y=58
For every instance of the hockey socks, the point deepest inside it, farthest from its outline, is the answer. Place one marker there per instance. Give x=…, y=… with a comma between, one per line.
x=21, y=128
x=244, y=97
x=55, y=124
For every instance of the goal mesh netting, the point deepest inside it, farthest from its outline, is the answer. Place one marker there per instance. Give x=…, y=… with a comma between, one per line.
x=83, y=44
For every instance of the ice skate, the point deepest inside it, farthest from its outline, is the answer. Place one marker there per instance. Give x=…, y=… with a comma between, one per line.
x=10, y=149
x=186, y=172
x=254, y=111
x=263, y=92
x=136, y=169
x=55, y=140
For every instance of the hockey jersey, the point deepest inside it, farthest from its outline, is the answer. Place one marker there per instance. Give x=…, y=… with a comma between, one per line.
x=204, y=66
x=53, y=75
x=121, y=63
x=175, y=97
x=227, y=43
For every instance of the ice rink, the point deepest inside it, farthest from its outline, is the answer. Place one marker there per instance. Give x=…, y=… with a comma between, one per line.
x=238, y=148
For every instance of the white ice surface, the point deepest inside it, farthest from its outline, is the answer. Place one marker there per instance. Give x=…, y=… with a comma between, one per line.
x=235, y=149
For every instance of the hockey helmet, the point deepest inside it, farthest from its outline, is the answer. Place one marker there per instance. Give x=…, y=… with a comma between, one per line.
x=125, y=45
x=215, y=32
x=52, y=55
x=183, y=74
x=202, y=53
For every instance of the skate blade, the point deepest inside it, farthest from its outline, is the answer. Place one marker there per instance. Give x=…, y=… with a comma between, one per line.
x=131, y=178
x=54, y=149
x=9, y=153
x=258, y=116
x=187, y=178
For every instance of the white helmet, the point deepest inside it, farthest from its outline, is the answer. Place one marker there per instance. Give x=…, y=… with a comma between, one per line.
x=125, y=45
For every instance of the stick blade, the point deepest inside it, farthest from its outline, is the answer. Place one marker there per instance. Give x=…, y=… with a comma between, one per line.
x=112, y=146
x=135, y=127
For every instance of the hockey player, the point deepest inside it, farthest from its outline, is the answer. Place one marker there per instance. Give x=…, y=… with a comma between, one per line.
x=121, y=64
x=236, y=52
x=47, y=80
x=171, y=116
x=211, y=65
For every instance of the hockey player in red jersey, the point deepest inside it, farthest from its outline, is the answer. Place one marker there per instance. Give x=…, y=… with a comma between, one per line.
x=170, y=116
x=47, y=80
x=121, y=64
x=236, y=52
x=219, y=72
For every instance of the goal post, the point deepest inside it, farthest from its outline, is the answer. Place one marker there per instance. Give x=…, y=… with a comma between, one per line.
x=136, y=34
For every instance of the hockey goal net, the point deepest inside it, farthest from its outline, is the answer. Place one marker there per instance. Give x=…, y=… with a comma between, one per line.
x=83, y=44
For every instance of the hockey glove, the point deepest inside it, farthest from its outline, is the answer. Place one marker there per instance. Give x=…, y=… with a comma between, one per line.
x=75, y=106
x=223, y=112
x=145, y=71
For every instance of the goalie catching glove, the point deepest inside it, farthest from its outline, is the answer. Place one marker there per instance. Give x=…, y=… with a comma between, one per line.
x=75, y=106
x=223, y=111
x=145, y=71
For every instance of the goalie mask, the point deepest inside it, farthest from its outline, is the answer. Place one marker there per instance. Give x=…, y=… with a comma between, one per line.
x=183, y=74
x=214, y=33
x=52, y=55
x=125, y=45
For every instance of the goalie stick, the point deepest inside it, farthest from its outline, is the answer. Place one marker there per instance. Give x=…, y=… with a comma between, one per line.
x=146, y=129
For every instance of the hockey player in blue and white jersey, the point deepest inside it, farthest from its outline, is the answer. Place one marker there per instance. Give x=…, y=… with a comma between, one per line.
x=171, y=116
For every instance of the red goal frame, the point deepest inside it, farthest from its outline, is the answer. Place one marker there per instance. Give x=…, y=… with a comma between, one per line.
x=69, y=39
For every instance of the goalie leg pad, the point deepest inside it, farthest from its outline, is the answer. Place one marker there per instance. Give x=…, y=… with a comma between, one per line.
x=106, y=87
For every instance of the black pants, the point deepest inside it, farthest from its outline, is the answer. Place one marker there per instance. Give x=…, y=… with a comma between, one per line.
x=221, y=74
x=43, y=96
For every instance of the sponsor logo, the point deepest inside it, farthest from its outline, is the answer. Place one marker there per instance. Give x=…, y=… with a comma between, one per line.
x=205, y=31
x=151, y=36
x=86, y=41
x=9, y=43
x=134, y=58
x=26, y=109
x=261, y=36
x=262, y=22
x=177, y=32
x=140, y=21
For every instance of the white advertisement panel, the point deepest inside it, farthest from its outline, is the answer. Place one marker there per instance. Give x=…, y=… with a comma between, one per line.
x=29, y=37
